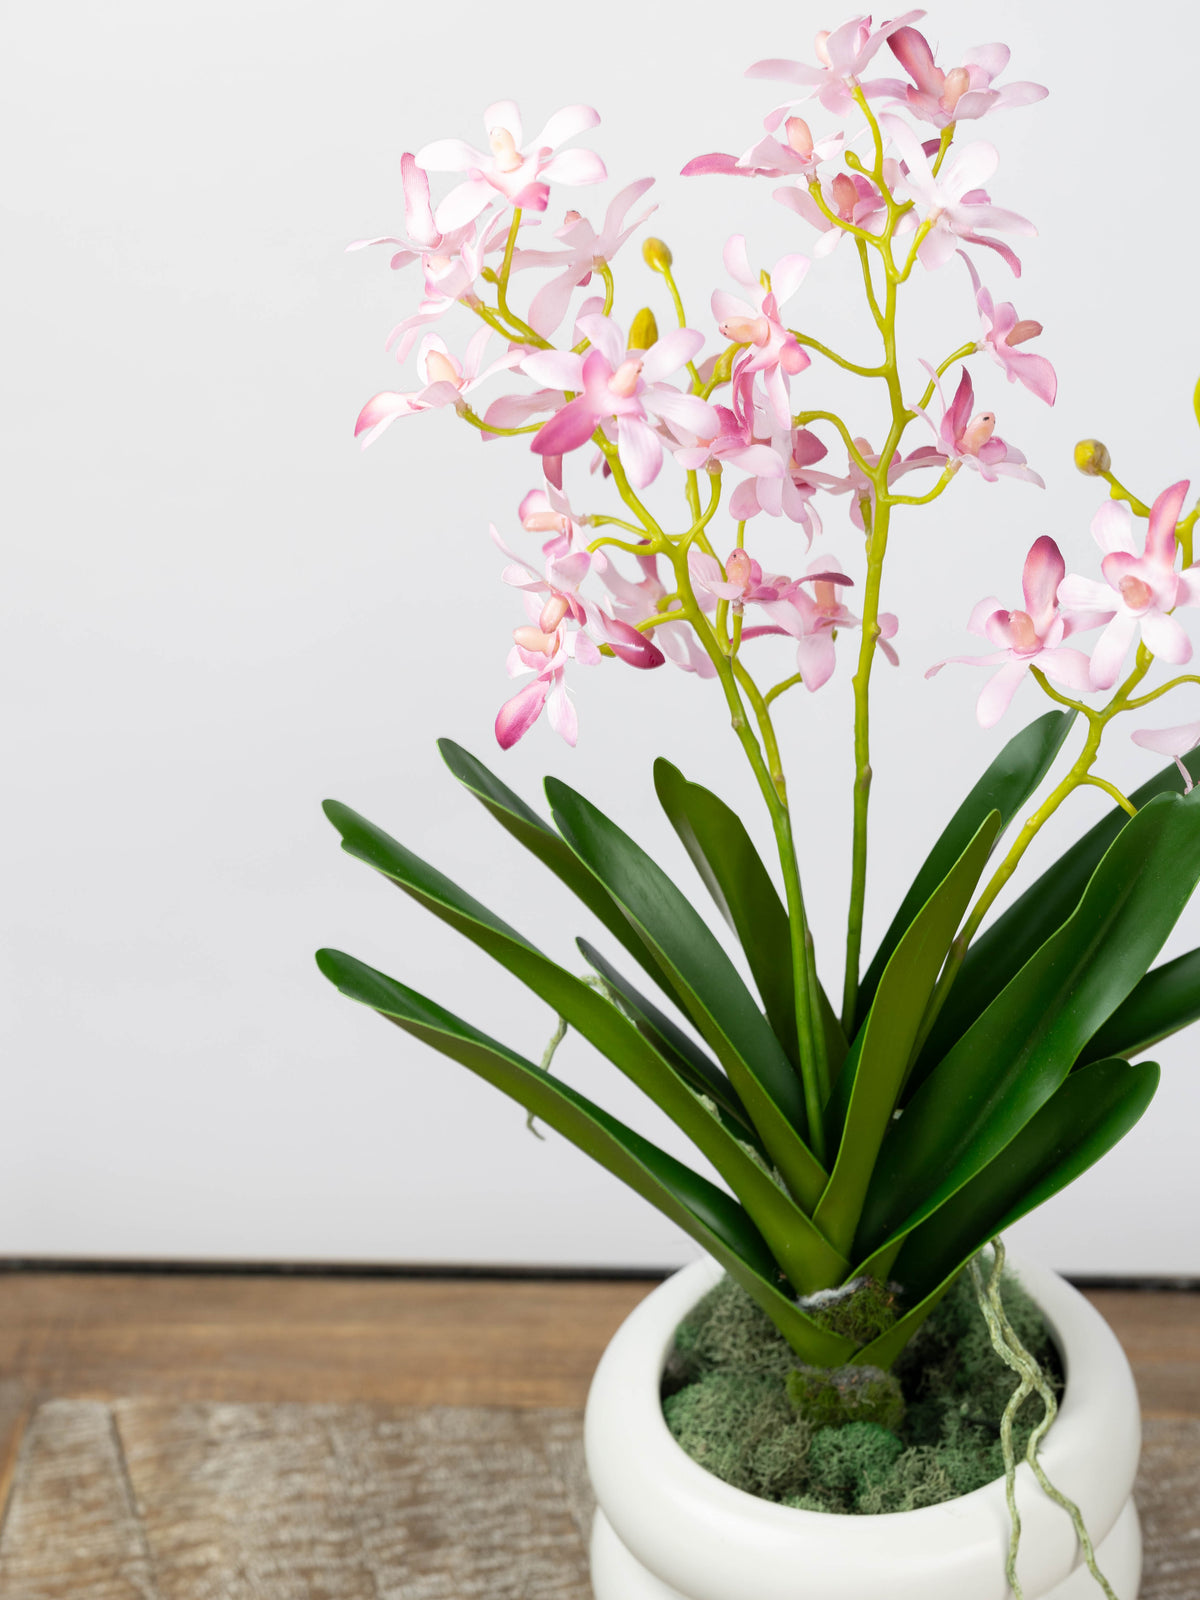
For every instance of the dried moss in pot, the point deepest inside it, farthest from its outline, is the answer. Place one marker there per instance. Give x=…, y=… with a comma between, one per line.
x=850, y=1439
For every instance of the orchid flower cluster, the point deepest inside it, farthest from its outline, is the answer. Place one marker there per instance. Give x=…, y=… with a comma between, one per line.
x=898, y=1135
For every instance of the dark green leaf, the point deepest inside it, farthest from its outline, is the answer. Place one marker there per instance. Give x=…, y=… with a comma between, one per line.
x=705, y=1212
x=802, y=1252
x=890, y=1034
x=732, y=871
x=1015, y=1056
x=519, y=819
x=1167, y=999
x=1001, y=950
x=1004, y=787
x=1082, y=1120
x=705, y=981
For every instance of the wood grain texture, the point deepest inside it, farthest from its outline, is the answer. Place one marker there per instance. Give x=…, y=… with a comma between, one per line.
x=146, y=1500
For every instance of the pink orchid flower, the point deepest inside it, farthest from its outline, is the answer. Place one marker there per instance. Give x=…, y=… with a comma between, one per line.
x=800, y=156
x=549, y=511
x=732, y=445
x=585, y=251
x=636, y=602
x=813, y=621
x=1139, y=591
x=519, y=174
x=1002, y=333
x=969, y=438
x=423, y=236
x=450, y=275
x=844, y=54
x=789, y=490
x=612, y=382
x=955, y=202
x=1174, y=742
x=740, y=581
x=1025, y=638
x=773, y=353
x=852, y=197
x=964, y=93
x=447, y=382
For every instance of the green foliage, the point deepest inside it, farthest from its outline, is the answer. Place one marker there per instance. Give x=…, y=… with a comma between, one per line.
x=1021, y=1083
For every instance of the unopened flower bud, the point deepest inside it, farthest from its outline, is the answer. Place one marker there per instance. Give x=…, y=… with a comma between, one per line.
x=656, y=255
x=1092, y=458
x=643, y=330
x=723, y=367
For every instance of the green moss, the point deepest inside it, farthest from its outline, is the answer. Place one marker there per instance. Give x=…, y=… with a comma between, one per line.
x=831, y=1397
x=853, y=1438
x=861, y=1310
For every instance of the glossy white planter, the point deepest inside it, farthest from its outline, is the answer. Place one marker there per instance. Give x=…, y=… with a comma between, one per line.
x=668, y=1530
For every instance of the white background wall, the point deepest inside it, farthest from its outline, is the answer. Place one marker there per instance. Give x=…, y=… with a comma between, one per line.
x=216, y=611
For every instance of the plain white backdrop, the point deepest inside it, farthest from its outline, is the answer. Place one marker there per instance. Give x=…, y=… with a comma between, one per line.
x=216, y=611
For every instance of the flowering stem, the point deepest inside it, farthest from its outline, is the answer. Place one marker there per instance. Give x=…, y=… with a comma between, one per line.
x=477, y=421
x=923, y=499
x=1079, y=775
x=782, y=688
x=1062, y=699
x=1118, y=491
x=802, y=418
x=831, y=355
x=1111, y=789
x=1145, y=699
x=680, y=317
x=961, y=354
x=605, y=272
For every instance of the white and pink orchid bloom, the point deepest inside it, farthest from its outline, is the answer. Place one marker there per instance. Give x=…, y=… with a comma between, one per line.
x=734, y=445
x=772, y=352
x=813, y=621
x=740, y=581
x=548, y=511
x=1175, y=742
x=447, y=382
x=637, y=602
x=964, y=93
x=844, y=54
x=789, y=490
x=1030, y=637
x=1003, y=333
x=854, y=199
x=613, y=383
x=955, y=203
x=450, y=274
x=422, y=235
x=1139, y=591
x=585, y=251
x=968, y=437
x=796, y=155
x=507, y=169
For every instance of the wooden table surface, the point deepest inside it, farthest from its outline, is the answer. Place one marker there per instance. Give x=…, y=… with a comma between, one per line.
x=162, y=1379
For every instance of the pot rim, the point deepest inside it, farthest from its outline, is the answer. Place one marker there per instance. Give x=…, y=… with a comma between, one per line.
x=645, y=1482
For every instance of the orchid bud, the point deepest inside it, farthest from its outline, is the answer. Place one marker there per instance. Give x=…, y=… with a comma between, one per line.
x=643, y=330
x=656, y=255
x=630, y=646
x=1092, y=458
x=723, y=367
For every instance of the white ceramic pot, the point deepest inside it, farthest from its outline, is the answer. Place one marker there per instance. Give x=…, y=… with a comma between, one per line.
x=668, y=1530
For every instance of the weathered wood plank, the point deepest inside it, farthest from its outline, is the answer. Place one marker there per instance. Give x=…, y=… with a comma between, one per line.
x=146, y=1500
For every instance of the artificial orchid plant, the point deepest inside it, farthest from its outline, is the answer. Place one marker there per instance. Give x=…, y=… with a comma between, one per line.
x=967, y=1075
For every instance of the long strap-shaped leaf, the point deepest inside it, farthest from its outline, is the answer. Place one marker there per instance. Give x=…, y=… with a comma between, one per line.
x=705, y=1212
x=1004, y=787
x=732, y=871
x=705, y=980
x=692, y=1063
x=1167, y=999
x=890, y=1033
x=538, y=837
x=804, y=1255
x=1015, y=1056
x=1000, y=952
x=1091, y=1112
